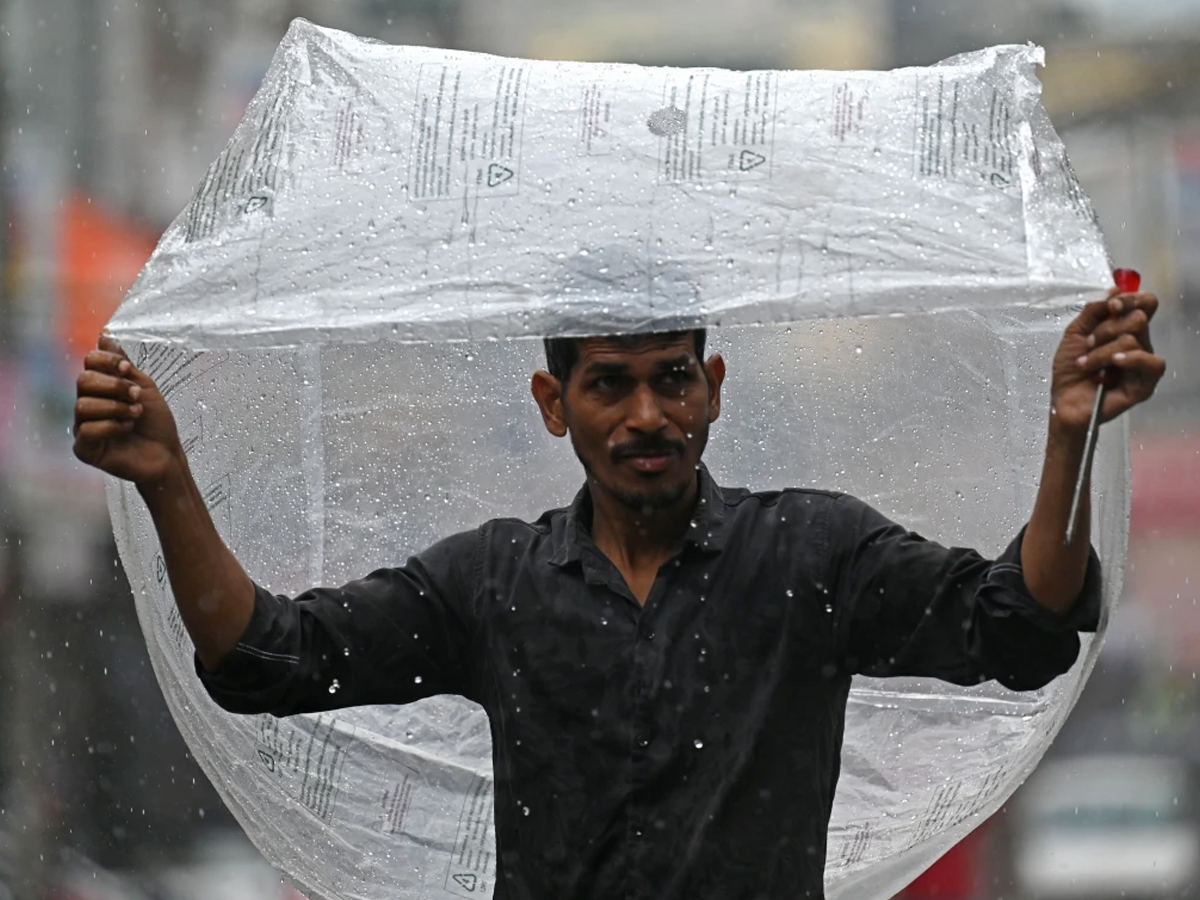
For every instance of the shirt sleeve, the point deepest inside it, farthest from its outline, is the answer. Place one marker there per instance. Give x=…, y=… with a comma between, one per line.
x=396, y=636
x=908, y=606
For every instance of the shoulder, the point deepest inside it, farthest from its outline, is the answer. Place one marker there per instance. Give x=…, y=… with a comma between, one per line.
x=804, y=502
x=792, y=512
x=511, y=538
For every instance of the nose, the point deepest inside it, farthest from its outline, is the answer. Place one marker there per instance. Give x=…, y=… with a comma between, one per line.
x=645, y=413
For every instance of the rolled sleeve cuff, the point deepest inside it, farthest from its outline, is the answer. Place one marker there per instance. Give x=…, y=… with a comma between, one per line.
x=253, y=677
x=1084, y=615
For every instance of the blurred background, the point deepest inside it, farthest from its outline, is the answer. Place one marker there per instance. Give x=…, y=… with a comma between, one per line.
x=110, y=112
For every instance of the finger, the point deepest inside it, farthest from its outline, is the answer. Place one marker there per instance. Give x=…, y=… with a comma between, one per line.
x=109, y=344
x=116, y=360
x=1094, y=313
x=88, y=409
x=1141, y=363
x=1134, y=322
x=1102, y=356
x=106, y=361
x=90, y=434
x=112, y=358
x=98, y=384
x=1114, y=306
x=1148, y=303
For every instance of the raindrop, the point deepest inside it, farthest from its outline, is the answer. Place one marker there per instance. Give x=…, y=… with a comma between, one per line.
x=417, y=680
x=698, y=744
x=333, y=688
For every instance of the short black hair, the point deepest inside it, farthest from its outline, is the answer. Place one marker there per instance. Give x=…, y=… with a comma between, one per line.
x=563, y=353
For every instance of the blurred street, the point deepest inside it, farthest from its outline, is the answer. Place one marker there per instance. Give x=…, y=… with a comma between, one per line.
x=110, y=113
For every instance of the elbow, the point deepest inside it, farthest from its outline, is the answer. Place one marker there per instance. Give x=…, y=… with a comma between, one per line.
x=1029, y=660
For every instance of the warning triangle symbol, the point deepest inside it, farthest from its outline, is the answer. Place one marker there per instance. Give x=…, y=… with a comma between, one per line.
x=498, y=174
x=468, y=880
x=751, y=160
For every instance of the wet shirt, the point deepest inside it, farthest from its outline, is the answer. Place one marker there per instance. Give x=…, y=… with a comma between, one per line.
x=684, y=750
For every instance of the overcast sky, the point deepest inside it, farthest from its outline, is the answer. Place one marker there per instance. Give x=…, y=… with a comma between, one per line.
x=1143, y=12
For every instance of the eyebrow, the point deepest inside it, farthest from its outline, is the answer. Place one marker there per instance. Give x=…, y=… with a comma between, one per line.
x=606, y=368
x=598, y=369
x=679, y=362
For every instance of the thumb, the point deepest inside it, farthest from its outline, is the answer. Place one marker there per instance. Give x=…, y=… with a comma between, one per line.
x=109, y=344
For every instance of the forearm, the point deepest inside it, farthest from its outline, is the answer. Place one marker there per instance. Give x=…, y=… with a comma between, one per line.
x=213, y=592
x=1054, y=574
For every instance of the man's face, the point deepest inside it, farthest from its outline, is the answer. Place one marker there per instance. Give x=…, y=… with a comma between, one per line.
x=638, y=412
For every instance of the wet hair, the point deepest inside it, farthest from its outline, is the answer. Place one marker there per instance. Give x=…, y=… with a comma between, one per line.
x=563, y=353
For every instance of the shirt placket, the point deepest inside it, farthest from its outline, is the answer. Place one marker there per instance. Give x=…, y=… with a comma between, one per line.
x=647, y=657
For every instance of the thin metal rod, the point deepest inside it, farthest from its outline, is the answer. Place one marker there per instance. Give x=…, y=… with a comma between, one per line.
x=1085, y=466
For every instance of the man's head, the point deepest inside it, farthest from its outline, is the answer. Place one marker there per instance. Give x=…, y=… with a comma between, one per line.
x=637, y=409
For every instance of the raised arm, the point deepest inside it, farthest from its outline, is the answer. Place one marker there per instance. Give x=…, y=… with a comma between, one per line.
x=124, y=427
x=1111, y=332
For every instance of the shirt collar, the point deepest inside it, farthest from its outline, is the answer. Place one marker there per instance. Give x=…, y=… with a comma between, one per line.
x=706, y=531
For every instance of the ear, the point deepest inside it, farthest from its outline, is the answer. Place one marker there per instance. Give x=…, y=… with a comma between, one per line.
x=714, y=371
x=547, y=391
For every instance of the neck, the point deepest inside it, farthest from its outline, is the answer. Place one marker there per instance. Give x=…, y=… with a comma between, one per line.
x=633, y=538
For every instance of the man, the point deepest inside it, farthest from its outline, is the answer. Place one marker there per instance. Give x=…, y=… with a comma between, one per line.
x=665, y=664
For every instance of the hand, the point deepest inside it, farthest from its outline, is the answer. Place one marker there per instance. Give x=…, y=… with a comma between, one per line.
x=1114, y=332
x=123, y=425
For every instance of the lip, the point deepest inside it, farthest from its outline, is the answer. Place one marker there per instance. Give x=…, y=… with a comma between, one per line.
x=649, y=462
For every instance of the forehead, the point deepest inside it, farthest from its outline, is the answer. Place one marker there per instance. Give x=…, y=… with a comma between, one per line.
x=633, y=349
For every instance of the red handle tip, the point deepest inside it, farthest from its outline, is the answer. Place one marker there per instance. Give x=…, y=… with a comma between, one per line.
x=1128, y=280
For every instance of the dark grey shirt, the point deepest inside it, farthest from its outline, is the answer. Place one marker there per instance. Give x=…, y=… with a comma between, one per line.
x=684, y=750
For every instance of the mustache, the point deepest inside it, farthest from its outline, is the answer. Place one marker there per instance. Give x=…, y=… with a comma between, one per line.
x=648, y=445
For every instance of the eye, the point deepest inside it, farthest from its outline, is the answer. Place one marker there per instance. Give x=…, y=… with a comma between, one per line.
x=676, y=377
x=607, y=382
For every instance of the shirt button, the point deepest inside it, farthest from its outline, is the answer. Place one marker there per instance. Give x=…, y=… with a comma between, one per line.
x=648, y=634
x=643, y=742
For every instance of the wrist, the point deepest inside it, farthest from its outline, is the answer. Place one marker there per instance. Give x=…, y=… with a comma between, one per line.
x=1064, y=437
x=171, y=481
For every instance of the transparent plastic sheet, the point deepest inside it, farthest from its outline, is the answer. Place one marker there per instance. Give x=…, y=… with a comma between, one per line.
x=337, y=320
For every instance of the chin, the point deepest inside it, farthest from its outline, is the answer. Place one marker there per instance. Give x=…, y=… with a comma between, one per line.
x=647, y=496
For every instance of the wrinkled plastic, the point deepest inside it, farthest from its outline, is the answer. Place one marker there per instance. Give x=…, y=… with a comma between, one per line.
x=336, y=320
